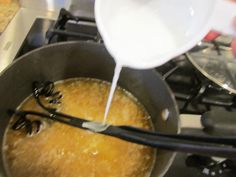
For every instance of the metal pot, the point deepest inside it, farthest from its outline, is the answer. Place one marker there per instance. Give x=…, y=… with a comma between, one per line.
x=83, y=59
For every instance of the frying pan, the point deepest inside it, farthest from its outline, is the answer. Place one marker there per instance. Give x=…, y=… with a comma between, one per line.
x=85, y=59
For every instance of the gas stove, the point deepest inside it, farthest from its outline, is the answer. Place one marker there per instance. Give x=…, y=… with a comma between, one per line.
x=195, y=93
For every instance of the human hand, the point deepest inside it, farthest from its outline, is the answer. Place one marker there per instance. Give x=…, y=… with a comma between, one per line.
x=213, y=35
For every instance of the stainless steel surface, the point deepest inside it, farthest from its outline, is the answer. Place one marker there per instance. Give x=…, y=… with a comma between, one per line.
x=190, y=121
x=45, y=5
x=12, y=38
x=82, y=8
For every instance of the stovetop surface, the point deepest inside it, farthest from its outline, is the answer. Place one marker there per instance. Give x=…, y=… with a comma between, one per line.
x=36, y=37
x=184, y=165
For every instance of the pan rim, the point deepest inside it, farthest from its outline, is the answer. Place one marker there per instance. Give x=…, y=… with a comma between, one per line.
x=172, y=153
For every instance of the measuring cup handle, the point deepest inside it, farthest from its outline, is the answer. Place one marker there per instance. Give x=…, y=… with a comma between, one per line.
x=223, y=17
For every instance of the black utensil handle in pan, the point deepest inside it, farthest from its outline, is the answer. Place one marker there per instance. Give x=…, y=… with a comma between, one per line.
x=171, y=144
x=139, y=136
x=226, y=140
x=222, y=123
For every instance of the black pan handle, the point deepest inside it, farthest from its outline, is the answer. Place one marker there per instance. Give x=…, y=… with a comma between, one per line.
x=170, y=143
x=221, y=123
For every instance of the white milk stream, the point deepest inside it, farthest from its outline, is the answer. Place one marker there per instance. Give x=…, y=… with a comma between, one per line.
x=134, y=35
x=112, y=90
x=144, y=34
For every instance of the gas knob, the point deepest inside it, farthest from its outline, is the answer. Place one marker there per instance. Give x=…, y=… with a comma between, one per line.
x=207, y=166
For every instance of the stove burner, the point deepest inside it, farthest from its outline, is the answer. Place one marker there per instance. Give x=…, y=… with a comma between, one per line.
x=63, y=29
x=207, y=166
x=195, y=93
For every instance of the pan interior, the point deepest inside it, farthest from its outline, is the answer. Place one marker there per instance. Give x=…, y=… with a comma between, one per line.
x=60, y=150
x=83, y=59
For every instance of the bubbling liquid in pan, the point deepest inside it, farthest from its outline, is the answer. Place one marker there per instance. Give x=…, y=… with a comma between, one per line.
x=63, y=151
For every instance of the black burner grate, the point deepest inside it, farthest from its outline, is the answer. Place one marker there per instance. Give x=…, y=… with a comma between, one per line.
x=195, y=93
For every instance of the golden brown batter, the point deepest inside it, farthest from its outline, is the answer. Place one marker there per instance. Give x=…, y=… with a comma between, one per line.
x=63, y=151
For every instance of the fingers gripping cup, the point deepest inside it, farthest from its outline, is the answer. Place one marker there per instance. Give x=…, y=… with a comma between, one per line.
x=144, y=34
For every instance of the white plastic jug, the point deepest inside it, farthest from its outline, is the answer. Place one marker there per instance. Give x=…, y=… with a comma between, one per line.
x=147, y=33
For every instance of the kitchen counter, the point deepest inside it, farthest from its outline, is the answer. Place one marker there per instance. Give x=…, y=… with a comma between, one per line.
x=14, y=35
x=7, y=12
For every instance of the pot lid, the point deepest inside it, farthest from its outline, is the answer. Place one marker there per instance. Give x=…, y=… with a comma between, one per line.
x=215, y=60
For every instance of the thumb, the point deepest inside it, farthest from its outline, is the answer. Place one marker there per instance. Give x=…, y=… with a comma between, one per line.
x=211, y=36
